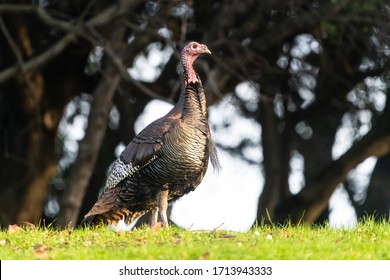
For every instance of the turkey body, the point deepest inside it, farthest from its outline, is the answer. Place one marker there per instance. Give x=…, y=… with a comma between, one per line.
x=165, y=161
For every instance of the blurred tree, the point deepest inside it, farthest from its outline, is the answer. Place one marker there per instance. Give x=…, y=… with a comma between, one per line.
x=313, y=65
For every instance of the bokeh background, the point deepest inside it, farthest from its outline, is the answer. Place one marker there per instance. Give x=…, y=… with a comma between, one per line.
x=297, y=93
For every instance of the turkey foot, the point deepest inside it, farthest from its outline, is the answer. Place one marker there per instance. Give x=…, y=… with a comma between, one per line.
x=154, y=223
x=156, y=226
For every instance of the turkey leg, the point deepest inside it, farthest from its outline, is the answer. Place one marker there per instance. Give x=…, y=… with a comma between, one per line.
x=162, y=204
x=154, y=216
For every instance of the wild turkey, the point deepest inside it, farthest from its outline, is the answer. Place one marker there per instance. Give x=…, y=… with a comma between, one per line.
x=165, y=161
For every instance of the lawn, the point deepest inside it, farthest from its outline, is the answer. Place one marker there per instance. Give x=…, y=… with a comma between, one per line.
x=368, y=240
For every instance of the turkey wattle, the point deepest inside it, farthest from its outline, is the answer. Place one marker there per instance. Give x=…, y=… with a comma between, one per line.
x=165, y=161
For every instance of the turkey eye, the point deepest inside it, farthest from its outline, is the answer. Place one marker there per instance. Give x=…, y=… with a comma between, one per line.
x=194, y=46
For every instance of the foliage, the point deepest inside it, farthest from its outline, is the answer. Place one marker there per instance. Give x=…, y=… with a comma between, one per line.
x=368, y=240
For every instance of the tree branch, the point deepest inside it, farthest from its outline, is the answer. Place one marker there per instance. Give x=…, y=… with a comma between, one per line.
x=118, y=62
x=75, y=30
x=113, y=11
x=39, y=60
x=20, y=62
x=11, y=42
x=73, y=27
x=41, y=13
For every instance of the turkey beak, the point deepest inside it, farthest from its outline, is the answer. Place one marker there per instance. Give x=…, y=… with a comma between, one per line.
x=206, y=50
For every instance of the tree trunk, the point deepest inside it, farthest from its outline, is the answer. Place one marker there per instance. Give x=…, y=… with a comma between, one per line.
x=324, y=127
x=32, y=104
x=276, y=170
x=90, y=144
x=30, y=161
x=308, y=204
x=130, y=105
x=377, y=202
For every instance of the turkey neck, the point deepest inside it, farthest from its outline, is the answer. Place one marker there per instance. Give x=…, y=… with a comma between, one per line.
x=188, y=71
x=192, y=102
x=192, y=98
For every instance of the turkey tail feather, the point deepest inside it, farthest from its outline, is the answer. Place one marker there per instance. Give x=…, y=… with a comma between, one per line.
x=104, y=205
x=213, y=155
x=88, y=221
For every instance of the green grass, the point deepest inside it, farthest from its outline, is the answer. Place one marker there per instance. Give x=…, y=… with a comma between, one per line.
x=368, y=240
